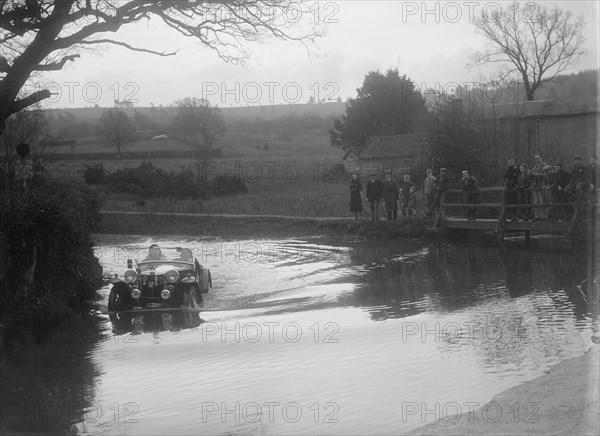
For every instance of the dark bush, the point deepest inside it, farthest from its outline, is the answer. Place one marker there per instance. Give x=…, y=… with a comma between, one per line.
x=52, y=268
x=93, y=174
x=223, y=185
x=149, y=181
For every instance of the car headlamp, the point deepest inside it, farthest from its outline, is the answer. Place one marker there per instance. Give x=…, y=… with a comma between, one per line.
x=172, y=276
x=130, y=276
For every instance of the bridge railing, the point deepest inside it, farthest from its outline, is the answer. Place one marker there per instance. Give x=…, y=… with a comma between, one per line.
x=501, y=205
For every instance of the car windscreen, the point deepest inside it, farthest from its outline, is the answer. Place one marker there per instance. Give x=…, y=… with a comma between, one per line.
x=152, y=264
x=168, y=255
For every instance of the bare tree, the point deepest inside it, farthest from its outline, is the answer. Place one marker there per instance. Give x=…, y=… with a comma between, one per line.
x=117, y=128
x=44, y=35
x=536, y=42
x=199, y=120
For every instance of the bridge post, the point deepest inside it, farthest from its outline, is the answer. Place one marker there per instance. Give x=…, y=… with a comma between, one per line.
x=443, y=209
x=502, y=218
x=441, y=216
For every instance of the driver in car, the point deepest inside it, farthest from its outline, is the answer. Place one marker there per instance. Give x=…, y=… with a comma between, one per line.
x=154, y=253
x=187, y=255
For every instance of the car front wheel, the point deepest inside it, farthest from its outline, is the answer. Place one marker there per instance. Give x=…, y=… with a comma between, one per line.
x=118, y=298
x=190, y=298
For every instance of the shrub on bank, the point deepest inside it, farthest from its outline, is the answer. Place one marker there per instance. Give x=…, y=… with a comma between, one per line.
x=149, y=181
x=93, y=174
x=50, y=269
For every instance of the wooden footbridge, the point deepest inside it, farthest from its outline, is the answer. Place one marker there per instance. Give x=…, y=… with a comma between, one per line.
x=497, y=216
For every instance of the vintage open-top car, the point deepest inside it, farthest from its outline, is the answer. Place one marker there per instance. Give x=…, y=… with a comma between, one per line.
x=172, y=279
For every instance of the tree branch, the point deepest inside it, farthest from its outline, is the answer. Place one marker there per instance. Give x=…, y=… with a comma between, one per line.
x=130, y=47
x=30, y=100
x=55, y=66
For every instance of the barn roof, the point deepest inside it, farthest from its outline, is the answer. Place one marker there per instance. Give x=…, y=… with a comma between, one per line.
x=538, y=108
x=355, y=150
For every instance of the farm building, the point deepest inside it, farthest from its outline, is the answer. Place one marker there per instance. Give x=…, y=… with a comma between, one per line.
x=399, y=153
x=555, y=129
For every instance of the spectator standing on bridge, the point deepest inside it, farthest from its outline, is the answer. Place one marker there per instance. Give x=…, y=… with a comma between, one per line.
x=538, y=193
x=355, y=196
x=511, y=175
x=547, y=183
x=578, y=183
x=593, y=178
x=561, y=180
x=469, y=186
x=441, y=186
x=429, y=191
x=592, y=175
x=374, y=196
x=523, y=184
x=389, y=190
x=407, y=184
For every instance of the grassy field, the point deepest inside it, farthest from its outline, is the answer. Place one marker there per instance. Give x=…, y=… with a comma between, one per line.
x=283, y=176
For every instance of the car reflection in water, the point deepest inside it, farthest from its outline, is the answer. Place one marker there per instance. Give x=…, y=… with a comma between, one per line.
x=152, y=321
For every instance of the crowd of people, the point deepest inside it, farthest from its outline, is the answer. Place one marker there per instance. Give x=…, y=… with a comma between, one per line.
x=547, y=187
x=544, y=184
x=388, y=196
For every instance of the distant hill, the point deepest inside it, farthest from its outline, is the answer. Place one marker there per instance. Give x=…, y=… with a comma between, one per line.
x=325, y=110
x=563, y=87
x=156, y=120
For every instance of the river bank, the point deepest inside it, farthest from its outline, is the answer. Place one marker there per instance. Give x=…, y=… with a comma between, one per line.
x=231, y=227
x=562, y=402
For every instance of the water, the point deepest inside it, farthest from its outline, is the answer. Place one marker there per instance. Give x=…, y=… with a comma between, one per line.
x=302, y=337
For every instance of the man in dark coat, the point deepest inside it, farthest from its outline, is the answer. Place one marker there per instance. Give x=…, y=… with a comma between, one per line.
x=469, y=186
x=389, y=190
x=523, y=197
x=511, y=176
x=578, y=183
x=441, y=185
x=374, y=196
x=593, y=172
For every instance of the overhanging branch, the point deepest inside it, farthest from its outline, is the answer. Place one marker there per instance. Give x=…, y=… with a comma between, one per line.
x=55, y=66
x=30, y=100
x=130, y=47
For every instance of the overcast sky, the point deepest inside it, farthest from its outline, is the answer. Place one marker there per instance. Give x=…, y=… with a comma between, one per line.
x=428, y=41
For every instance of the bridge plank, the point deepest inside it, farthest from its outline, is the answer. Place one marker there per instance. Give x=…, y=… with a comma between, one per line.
x=475, y=205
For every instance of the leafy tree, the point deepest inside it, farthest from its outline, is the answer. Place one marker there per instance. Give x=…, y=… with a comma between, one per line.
x=536, y=43
x=116, y=126
x=44, y=35
x=386, y=104
x=196, y=118
x=458, y=139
